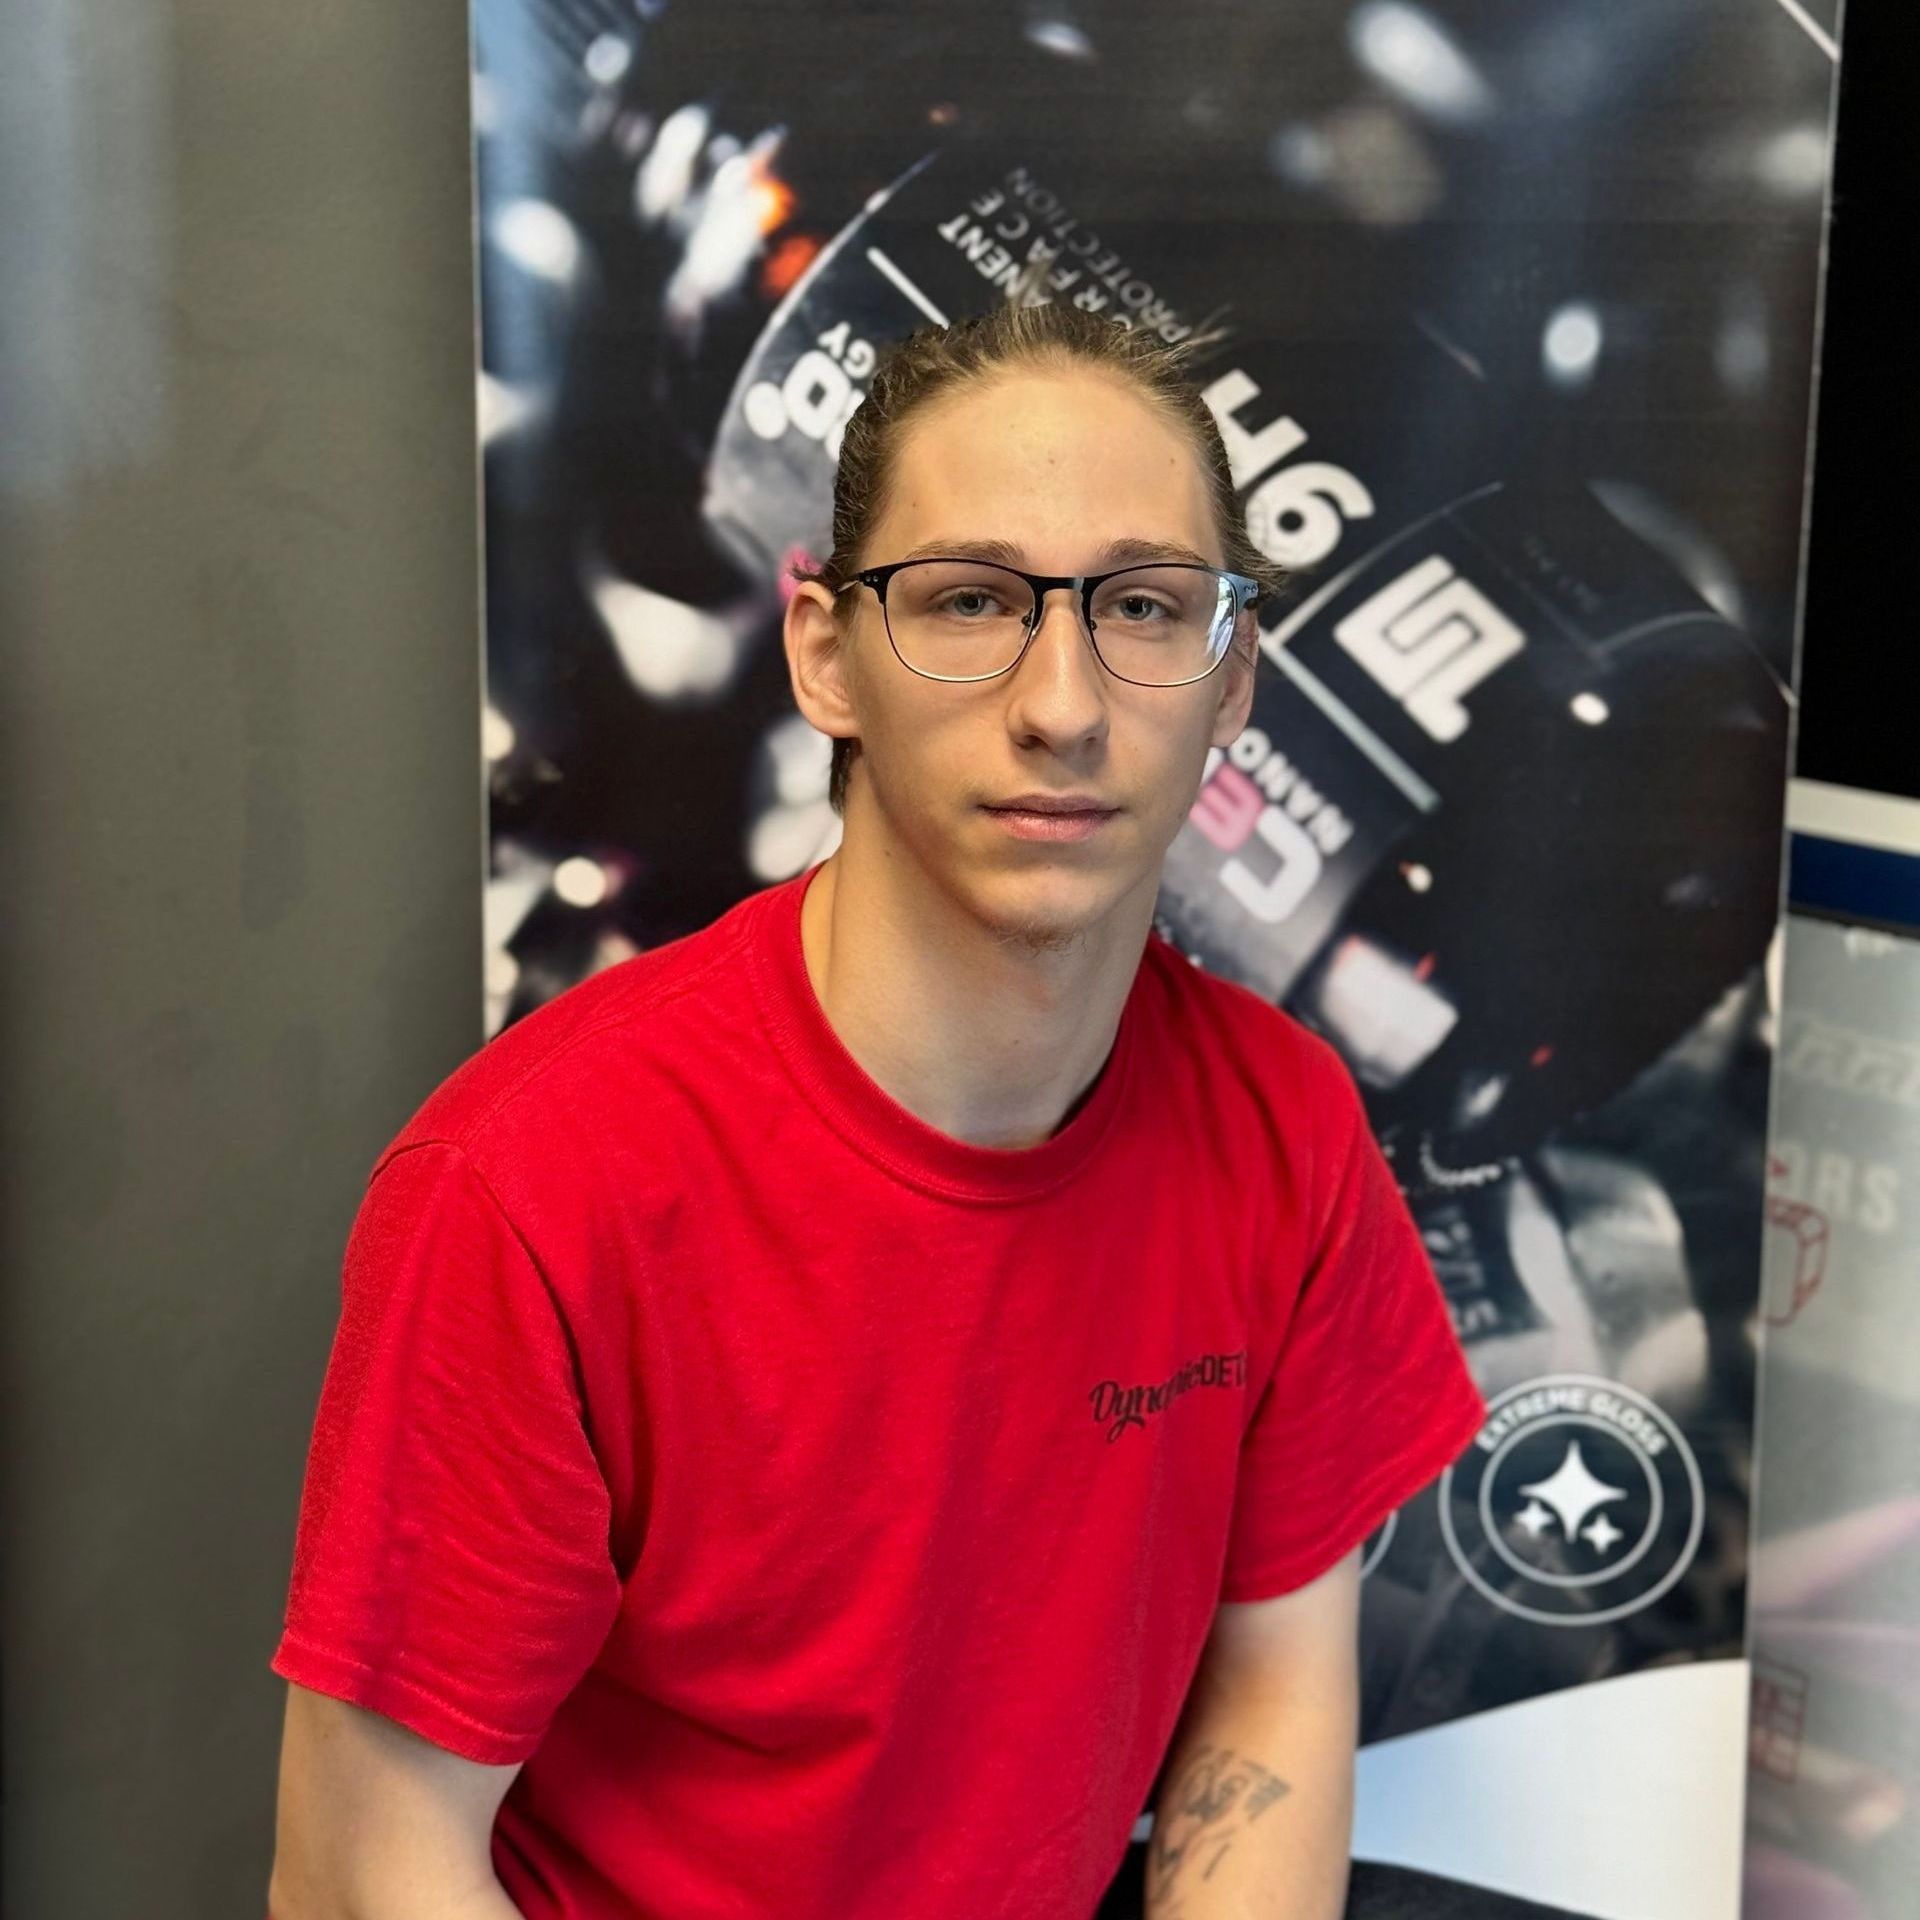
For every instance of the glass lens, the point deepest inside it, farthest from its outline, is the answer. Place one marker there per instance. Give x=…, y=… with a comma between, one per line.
x=958, y=619
x=1163, y=624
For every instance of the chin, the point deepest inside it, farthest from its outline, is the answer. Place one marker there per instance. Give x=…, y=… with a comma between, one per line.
x=1041, y=936
x=1044, y=911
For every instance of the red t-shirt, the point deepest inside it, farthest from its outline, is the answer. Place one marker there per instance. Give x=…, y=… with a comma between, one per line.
x=830, y=1512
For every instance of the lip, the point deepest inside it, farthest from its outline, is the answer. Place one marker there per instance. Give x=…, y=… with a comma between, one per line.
x=1051, y=803
x=1052, y=816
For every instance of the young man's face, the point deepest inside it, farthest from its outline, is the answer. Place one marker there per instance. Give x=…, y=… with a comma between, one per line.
x=1058, y=465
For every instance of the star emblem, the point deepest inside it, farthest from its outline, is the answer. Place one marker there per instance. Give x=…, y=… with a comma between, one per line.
x=1533, y=1517
x=1574, y=1491
x=1602, y=1535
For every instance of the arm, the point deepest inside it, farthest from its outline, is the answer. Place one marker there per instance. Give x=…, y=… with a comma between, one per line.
x=452, y=1573
x=1255, y=1815
x=376, y=1823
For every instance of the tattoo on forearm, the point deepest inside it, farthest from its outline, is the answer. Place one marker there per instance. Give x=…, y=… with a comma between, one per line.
x=1216, y=1794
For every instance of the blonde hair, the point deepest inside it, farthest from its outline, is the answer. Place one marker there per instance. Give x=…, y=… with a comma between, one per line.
x=938, y=360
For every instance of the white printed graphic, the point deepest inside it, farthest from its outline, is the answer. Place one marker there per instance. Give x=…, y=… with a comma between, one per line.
x=1579, y=1502
x=1297, y=868
x=1572, y=1493
x=1429, y=638
x=819, y=394
x=1296, y=515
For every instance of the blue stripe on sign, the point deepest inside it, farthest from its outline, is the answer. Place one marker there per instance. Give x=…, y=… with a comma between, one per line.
x=1853, y=882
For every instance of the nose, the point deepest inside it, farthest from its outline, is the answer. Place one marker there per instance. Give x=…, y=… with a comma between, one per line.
x=1059, y=691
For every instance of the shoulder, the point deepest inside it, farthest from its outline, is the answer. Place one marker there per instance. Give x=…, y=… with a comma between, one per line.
x=585, y=1057
x=1283, y=1079
x=1257, y=1040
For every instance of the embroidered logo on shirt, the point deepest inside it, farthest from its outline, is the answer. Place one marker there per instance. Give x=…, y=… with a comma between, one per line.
x=1118, y=1407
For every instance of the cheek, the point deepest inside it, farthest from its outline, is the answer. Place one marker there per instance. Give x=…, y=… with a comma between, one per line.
x=931, y=734
x=1167, y=740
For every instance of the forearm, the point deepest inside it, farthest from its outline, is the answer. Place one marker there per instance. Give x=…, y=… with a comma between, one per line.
x=1255, y=1815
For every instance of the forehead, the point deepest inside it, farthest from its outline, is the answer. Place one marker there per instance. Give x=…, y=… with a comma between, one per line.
x=1055, y=462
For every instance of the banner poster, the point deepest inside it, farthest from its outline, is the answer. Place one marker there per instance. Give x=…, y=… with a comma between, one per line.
x=1833, y=1803
x=1520, y=309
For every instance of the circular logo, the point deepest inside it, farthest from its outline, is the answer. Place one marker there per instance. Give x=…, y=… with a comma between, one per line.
x=1579, y=1502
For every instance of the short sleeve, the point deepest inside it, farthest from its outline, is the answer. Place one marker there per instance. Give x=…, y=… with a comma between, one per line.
x=1370, y=1397
x=452, y=1566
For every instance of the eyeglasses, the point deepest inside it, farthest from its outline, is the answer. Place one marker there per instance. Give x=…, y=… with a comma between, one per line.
x=1163, y=625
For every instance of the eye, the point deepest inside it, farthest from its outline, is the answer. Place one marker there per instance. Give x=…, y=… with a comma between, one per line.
x=969, y=603
x=1136, y=605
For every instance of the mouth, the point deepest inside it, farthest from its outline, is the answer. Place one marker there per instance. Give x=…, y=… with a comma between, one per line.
x=1051, y=816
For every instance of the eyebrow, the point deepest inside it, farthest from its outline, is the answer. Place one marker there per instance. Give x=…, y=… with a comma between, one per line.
x=1116, y=553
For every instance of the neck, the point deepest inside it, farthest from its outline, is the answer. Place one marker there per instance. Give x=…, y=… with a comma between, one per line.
x=978, y=1033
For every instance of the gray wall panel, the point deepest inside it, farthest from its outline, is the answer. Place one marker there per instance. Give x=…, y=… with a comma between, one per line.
x=239, y=672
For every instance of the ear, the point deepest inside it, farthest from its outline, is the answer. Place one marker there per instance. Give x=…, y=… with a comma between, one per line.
x=817, y=662
x=1236, y=681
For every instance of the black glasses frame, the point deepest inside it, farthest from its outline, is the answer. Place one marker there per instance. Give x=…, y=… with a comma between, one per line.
x=1246, y=591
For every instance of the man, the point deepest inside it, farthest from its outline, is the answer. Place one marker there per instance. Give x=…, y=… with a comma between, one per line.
x=827, y=1412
